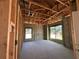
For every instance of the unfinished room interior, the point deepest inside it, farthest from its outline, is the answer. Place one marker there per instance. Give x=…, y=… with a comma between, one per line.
x=39, y=29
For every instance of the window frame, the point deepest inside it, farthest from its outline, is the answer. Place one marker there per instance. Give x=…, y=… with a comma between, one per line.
x=25, y=32
x=55, y=26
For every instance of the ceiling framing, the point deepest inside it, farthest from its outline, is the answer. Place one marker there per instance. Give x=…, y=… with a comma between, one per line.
x=44, y=11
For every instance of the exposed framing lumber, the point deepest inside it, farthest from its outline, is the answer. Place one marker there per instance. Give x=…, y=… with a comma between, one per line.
x=35, y=17
x=42, y=14
x=68, y=15
x=62, y=3
x=52, y=8
x=39, y=9
x=77, y=3
x=29, y=8
x=61, y=10
x=48, y=8
x=55, y=14
x=36, y=12
x=54, y=21
x=35, y=3
x=29, y=5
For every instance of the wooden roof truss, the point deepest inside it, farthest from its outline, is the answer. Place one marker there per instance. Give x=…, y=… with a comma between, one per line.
x=44, y=11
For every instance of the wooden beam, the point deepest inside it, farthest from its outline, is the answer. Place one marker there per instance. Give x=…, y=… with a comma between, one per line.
x=62, y=3
x=35, y=3
x=54, y=21
x=68, y=15
x=29, y=8
x=60, y=11
x=38, y=9
x=29, y=5
x=77, y=3
x=33, y=17
x=37, y=12
x=55, y=14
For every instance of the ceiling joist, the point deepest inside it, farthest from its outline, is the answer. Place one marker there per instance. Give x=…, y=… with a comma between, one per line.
x=35, y=3
x=44, y=11
x=62, y=3
x=36, y=12
x=60, y=11
x=55, y=14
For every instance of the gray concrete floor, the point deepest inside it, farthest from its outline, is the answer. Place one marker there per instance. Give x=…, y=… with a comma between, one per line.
x=44, y=49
